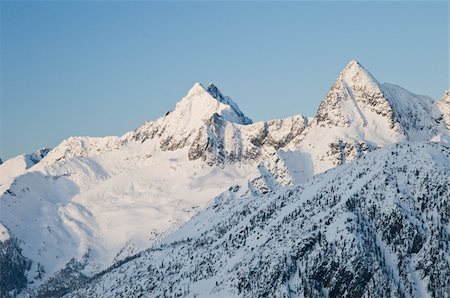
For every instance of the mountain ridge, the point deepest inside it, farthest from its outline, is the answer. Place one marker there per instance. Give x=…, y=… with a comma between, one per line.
x=109, y=198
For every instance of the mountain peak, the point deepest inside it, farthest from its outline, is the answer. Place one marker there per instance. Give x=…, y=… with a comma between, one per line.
x=355, y=74
x=196, y=90
x=210, y=100
x=199, y=90
x=352, y=95
x=353, y=63
x=177, y=127
x=352, y=67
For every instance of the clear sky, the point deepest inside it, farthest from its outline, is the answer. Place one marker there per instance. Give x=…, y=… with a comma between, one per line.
x=103, y=68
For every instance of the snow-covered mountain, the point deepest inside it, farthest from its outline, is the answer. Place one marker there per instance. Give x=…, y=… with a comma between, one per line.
x=444, y=107
x=99, y=200
x=16, y=166
x=359, y=114
x=72, y=212
x=378, y=227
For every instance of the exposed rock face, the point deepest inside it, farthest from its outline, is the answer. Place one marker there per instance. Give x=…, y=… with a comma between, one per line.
x=357, y=99
x=357, y=109
x=209, y=143
x=179, y=127
x=417, y=115
x=215, y=92
x=218, y=141
x=274, y=173
x=354, y=93
x=343, y=152
x=39, y=155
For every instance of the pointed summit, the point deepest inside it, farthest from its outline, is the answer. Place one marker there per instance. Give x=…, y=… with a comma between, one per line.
x=200, y=104
x=353, y=64
x=176, y=129
x=196, y=90
x=354, y=94
x=354, y=74
x=354, y=68
x=358, y=100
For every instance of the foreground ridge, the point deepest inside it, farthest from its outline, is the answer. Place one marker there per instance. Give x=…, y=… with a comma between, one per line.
x=375, y=227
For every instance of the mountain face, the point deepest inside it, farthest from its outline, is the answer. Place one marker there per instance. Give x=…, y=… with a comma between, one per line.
x=357, y=99
x=377, y=227
x=354, y=96
x=95, y=202
x=16, y=166
x=444, y=106
x=359, y=115
x=178, y=127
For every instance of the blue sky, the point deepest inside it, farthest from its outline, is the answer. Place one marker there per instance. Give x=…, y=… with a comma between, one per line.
x=103, y=68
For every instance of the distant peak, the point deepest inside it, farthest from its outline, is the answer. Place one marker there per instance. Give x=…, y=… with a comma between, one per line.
x=354, y=62
x=355, y=74
x=197, y=89
x=354, y=91
x=201, y=103
x=353, y=66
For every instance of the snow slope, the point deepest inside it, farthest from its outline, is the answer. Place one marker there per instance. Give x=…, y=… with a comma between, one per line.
x=92, y=202
x=18, y=165
x=376, y=227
